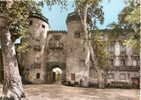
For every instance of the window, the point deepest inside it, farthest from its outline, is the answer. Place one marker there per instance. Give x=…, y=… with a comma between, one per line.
x=61, y=45
x=82, y=61
x=37, y=65
x=57, y=37
x=31, y=22
x=129, y=61
x=123, y=63
x=117, y=61
x=122, y=76
x=56, y=43
x=111, y=46
x=43, y=26
x=134, y=62
x=138, y=62
x=77, y=34
x=128, y=75
x=73, y=76
x=117, y=48
x=37, y=39
x=123, y=48
x=83, y=49
x=111, y=49
x=2, y=4
x=111, y=76
x=38, y=76
x=112, y=62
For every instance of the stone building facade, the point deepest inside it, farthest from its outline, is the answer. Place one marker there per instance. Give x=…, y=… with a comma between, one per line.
x=51, y=49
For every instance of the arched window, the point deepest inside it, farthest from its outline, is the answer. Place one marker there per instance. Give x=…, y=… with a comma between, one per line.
x=38, y=76
x=122, y=76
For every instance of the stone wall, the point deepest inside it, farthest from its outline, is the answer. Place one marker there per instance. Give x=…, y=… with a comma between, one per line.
x=55, y=55
x=76, y=54
x=33, y=59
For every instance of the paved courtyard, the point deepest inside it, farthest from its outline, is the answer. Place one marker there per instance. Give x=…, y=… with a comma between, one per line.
x=59, y=92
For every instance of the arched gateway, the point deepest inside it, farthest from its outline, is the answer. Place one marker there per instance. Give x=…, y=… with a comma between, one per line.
x=56, y=72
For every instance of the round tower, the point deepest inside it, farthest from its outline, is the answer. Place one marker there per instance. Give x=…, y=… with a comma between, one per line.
x=76, y=70
x=33, y=60
x=74, y=25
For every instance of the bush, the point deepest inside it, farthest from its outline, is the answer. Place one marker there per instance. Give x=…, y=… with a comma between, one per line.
x=124, y=85
x=6, y=98
x=76, y=83
x=95, y=85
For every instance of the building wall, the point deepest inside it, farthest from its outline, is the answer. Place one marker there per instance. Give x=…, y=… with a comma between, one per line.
x=55, y=54
x=125, y=63
x=55, y=50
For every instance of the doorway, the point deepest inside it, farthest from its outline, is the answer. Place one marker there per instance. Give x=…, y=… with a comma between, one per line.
x=57, y=75
x=136, y=82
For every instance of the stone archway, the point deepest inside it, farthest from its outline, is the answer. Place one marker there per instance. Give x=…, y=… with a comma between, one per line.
x=51, y=76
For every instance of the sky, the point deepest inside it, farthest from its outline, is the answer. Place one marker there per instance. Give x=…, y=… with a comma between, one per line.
x=57, y=16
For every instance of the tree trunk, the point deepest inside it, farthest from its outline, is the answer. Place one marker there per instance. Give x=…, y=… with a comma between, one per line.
x=100, y=72
x=83, y=17
x=12, y=87
x=89, y=48
x=100, y=79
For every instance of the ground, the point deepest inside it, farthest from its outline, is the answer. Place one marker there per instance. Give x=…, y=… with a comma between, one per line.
x=59, y=92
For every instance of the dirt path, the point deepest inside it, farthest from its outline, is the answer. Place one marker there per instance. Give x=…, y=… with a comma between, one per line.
x=58, y=92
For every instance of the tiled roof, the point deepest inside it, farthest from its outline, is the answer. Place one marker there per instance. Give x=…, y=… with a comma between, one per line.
x=40, y=16
x=72, y=16
x=57, y=31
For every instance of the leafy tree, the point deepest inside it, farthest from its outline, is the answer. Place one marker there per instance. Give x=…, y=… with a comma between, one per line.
x=1, y=68
x=14, y=23
x=132, y=16
x=133, y=19
x=129, y=20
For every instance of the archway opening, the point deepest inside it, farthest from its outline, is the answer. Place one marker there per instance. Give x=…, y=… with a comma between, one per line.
x=57, y=75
